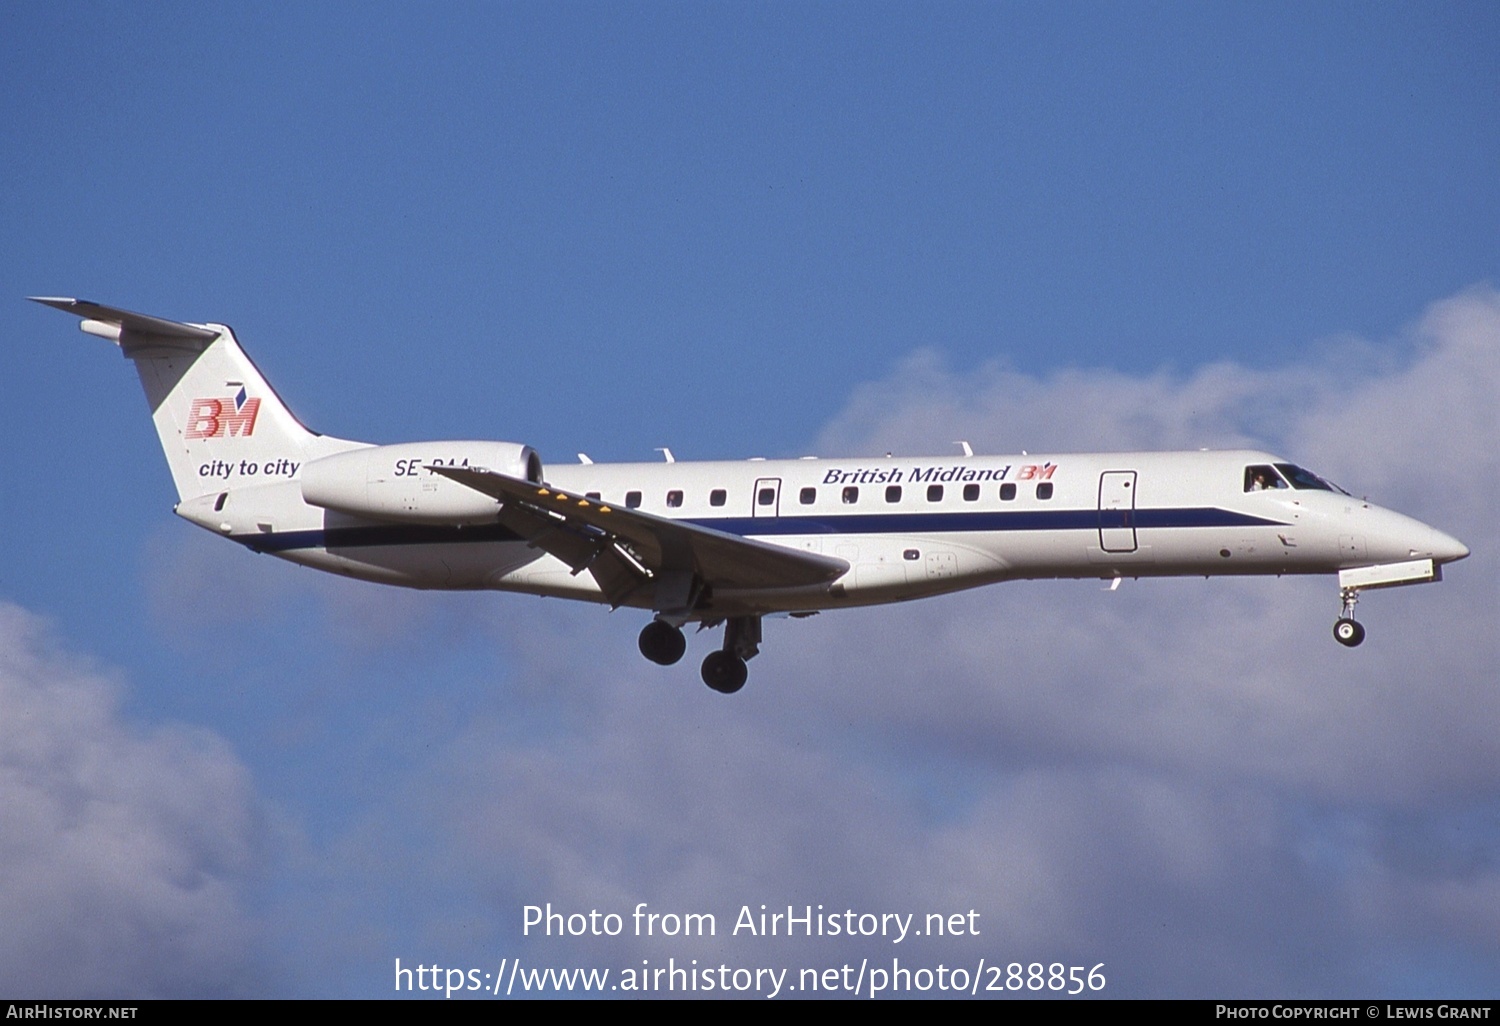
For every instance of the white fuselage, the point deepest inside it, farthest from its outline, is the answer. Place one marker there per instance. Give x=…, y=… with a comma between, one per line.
x=729, y=542
x=907, y=526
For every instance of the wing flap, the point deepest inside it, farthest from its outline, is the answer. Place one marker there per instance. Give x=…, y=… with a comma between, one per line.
x=577, y=529
x=616, y=572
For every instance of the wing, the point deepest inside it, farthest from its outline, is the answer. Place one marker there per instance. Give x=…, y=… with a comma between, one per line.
x=624, y=549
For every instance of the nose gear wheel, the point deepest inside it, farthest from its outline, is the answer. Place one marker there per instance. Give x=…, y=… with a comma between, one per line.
x=1347, y=631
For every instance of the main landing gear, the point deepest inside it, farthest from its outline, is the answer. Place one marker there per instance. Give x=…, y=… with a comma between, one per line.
x=1347, y=631
x=724, y=670
x=662, y=643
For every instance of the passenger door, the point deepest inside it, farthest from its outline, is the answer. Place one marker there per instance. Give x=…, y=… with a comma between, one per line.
x=1117, y=511
x=766, y=501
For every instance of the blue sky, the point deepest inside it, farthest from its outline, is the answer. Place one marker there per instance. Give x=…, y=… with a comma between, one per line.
x=745, y=230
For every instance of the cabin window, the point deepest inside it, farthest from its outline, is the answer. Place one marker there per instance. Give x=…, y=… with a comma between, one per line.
x=971, y=493
x=1007, y=491
x=632, y=500
x=934, y=493
x=1262, y=478
x=851, y=495
x=911, y=554
x=592, y=495
x=674, y=498
x=892, y=493
x=717, y=497
x=219, y=502
x=807, y=496
x=1044, y=490
x=766, y=497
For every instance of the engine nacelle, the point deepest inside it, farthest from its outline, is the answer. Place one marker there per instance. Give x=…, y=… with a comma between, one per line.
x=392, y=482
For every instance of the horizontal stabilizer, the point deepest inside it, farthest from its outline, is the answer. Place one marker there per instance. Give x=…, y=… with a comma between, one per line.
x=127, y=321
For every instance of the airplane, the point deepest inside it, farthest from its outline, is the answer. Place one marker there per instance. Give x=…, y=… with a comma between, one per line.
x=731, y=542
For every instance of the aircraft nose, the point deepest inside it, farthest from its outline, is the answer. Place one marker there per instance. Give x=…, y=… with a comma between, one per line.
x=1398, y=537
x=1446, y=548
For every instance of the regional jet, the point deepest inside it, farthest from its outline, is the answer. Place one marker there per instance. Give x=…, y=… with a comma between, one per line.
x=730, y=543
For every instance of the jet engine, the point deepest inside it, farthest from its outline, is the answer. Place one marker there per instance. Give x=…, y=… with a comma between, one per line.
x=393, y=482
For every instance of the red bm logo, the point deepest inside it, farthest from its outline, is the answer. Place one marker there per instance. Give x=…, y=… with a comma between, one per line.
x=221, y=418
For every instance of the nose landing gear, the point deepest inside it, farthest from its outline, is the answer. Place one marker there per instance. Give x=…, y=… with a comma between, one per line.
x=1347, y=631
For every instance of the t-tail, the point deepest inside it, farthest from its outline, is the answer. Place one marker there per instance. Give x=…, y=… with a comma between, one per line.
x=221, y=424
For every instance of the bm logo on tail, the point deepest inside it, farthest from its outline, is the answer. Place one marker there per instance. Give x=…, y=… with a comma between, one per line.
x=223, y=417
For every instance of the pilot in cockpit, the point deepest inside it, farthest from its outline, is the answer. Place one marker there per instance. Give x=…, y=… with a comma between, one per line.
x=1262, y=479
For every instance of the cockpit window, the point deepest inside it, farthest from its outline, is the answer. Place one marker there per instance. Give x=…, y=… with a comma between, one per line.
x=1307, y=479
x=1262, y=478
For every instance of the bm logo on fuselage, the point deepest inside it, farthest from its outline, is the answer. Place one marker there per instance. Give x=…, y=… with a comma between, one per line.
x=229, y=416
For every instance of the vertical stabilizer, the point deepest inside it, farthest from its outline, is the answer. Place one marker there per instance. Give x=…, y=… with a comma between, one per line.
x=217, y=417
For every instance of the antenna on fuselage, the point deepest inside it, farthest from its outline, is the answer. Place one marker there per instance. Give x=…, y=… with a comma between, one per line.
x=667, y=453
x=967, y=448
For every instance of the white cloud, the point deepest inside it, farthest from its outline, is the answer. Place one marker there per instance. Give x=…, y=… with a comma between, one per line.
x=124, y=851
